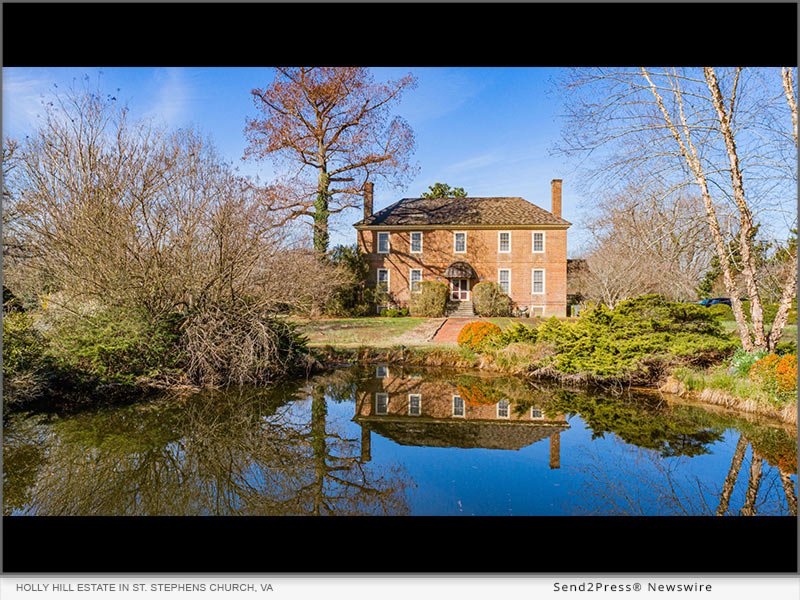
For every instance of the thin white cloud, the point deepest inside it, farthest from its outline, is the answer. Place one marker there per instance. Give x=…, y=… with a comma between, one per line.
x=171, y=98
x=23, y=94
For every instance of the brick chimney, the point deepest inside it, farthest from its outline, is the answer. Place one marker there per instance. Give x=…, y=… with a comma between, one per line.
x=368, y=199
x=556, y=197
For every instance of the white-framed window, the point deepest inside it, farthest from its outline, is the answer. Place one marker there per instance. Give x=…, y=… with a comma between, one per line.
x=383, y=279
x=537, y=311
x=504, y=279
x=502, y=409
x=537, y=281
x=458, y=406
x=381, y=403
x=536, y=413
x=383, y=242
x=537, y=242
x=459, y=242
x=414, y=279
x=381, y=371
x=416, y=242
x=504, y=241
x=415, y=404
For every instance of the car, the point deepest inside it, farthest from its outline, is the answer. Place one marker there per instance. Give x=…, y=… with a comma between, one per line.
x=712, y=301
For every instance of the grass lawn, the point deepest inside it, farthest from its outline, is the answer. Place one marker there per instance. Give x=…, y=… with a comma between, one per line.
x=368, y=331
x=789, y=333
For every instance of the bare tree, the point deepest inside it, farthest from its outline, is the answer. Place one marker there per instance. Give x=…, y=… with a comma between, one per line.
x=331, y=127
x=721, y=132
x=645, y=242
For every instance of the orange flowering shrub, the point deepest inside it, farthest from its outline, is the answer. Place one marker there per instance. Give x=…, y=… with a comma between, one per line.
x=473, y=395
x=763, y=370
x=476, y=335
x=786, y=374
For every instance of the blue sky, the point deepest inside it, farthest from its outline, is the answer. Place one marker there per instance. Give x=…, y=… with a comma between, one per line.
x=488, y=130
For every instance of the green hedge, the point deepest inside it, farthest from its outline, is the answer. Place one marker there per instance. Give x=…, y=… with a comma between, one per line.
x=430, y=301
x=489, y=300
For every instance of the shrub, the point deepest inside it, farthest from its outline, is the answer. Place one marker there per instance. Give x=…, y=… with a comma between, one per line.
x=430, y=301
x=763, y=370
x=478, y=335
x=786, y=374
x=23, y=345
x=489, y=300
x=353, y=298
x=741, y=361
x=394, y=312
x=115, y=344
x=516, y=333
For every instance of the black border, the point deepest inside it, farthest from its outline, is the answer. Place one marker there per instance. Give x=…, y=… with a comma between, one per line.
x=399, y=34
x=572, y=544
x=409, y=35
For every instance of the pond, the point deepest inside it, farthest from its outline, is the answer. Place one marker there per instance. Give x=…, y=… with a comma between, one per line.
x=389, y=440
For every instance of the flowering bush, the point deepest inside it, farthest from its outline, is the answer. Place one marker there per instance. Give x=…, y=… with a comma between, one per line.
x=477, y=335
x=776, y=374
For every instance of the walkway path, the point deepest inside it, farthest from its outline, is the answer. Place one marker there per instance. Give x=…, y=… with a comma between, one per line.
x=419, y=335
x=449, y=331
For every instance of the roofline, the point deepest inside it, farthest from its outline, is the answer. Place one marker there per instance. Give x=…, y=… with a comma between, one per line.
x=360, y=226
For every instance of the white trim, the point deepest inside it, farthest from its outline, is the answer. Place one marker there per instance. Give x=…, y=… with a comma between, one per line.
x=508, y=410
x=541, y=413
x=411, y=281
x=419, y=407
x=378, y=372
x=544, y=285
x=388, y=242
x=537, y=306
x=452, y=289
x=533, y=243
x=463, y=406
x=411, y=242
x=509, y=279
x=499, y=237
x=388, y=279
x=377, y=396
x=464, y=251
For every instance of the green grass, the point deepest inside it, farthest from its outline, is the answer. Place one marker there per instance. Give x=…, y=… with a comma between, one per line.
x=789, y=333
x=367, y=331
x=718, y=378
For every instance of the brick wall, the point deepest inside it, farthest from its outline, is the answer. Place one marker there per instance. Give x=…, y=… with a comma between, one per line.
x=482, y=253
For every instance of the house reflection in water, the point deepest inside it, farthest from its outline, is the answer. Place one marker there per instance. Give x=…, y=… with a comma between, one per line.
x=415, y=411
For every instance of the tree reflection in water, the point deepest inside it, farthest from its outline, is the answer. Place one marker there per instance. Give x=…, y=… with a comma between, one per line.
x=233, y=452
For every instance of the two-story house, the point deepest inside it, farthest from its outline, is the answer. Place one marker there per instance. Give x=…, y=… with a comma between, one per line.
x=463, y=241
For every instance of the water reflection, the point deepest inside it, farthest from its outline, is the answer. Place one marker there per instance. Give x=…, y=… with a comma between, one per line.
x=394, y=441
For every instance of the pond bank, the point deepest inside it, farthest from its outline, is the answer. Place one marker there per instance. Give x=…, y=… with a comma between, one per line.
x=786, y=414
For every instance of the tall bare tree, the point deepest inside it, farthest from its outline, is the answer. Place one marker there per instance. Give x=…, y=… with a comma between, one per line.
x=331, y=127
x=724, y=131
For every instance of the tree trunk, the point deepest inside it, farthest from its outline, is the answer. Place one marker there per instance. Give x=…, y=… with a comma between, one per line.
x=733, y=474
x=788, y=489
x=748, y=509
x=321, y=214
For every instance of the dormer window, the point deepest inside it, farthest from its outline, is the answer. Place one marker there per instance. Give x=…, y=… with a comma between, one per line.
x=383, y=242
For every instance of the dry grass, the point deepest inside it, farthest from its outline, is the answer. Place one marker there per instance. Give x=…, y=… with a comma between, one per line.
x=367, y=331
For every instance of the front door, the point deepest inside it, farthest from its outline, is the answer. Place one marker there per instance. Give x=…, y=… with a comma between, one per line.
x=459, y=289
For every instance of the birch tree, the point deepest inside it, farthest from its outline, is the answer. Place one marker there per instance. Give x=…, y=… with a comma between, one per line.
x=729, y=134
x=331, y=128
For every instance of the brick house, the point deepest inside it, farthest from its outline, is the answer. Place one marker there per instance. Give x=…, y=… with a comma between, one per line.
x=464, y=241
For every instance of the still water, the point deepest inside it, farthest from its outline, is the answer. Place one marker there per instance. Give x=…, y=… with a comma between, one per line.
x=388, y=440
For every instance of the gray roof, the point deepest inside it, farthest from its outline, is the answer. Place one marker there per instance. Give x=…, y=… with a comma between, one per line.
x=462, y=211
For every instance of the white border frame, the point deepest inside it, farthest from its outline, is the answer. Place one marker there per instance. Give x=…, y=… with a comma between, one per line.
x=388, y=242
x=377, y=394
x=463, y=406
x=454, y=242
x=544, y=242
x=509, y=279
x=419, y=396
x=499, y=236
x=378, y=375
x=411, y=281
x=508, y=410
x=544, y=282
x=411, y=242
x=388, y=279
x=533, y=408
